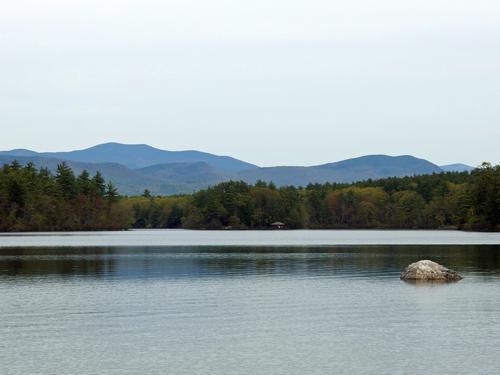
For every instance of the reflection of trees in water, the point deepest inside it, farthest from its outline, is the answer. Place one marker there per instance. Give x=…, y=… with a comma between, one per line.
x=371, y=259
x=56, y=261
x=179, y=262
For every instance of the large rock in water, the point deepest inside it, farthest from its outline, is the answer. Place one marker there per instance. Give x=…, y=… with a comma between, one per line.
x=427, y=270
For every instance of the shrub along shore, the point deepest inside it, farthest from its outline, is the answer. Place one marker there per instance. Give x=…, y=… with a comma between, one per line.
x=34, y=199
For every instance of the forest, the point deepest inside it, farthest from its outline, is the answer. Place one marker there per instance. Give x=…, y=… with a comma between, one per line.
x=36, y=200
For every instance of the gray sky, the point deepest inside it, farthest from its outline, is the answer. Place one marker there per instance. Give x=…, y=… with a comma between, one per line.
x=272, y=82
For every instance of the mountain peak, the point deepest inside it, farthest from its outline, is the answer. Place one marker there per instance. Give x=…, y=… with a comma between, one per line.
x=139, y=156
x=457, y=167
x=345, y=171
x=19, y=152
x=135, y=167
x=384, y=160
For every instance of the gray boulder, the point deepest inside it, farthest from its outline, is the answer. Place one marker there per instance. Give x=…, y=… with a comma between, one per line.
x=427, y=270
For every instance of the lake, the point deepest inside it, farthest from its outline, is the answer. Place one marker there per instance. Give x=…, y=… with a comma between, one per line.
x=290, y=302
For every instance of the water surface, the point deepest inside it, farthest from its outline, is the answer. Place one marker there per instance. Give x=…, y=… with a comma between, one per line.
x=246, y=310
x=180, y=237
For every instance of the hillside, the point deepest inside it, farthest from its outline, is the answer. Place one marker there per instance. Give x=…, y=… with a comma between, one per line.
x=138, y=156
x=350, y=170
x=198, y=173
x=128, y=182
x=134, y=168
x=458, y=167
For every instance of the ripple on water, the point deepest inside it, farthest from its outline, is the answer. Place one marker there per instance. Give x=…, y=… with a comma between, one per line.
x=246, y=311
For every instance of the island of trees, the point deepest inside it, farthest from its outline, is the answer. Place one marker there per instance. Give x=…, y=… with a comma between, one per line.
x=34, y=199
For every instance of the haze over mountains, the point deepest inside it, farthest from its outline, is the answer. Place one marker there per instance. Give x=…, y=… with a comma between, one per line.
x=457, y=167
x=134, y=168
x=137, y=156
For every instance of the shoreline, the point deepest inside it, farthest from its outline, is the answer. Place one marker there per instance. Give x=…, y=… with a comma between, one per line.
x=222, y=238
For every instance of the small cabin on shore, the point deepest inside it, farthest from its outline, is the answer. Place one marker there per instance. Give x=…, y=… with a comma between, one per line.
x=277, y=225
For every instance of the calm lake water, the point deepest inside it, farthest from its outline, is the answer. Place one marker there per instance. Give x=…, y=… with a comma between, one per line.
x=245, y=309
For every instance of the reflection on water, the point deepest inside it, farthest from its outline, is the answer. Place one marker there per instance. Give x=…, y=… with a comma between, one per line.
x=173, y=262
x=182, y=237
x=246, y=310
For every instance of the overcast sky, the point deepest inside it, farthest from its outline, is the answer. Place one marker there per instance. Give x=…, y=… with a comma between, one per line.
x=272, y=82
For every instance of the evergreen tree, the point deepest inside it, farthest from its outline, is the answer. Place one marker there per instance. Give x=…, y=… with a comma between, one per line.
x=66, y=181
x=83, y=182
x=98, y=184
x=111, y=193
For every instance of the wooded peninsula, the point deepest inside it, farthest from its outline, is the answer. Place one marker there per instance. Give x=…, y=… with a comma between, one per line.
x=34, y=199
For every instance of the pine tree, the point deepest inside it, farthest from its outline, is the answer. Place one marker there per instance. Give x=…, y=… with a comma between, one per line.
x=111, y=193
x=98, y=184
x=66, y=181
x=83, y=182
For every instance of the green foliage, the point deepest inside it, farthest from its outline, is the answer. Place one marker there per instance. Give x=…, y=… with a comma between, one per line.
x=154, y=212
x=111, y=193
x=446, y=200
x=66, y=182
x=485, y=197
x=34, y=200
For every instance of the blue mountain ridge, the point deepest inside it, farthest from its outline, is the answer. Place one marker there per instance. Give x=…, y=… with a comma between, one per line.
x=134, y=168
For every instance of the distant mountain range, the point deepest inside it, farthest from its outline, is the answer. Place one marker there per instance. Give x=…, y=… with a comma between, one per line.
x=138, y=156
x=458, y=167
x=362, y=168
x=134, y=168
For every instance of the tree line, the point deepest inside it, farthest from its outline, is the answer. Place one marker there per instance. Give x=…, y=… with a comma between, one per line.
x=469, y=201
x=34, y=199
